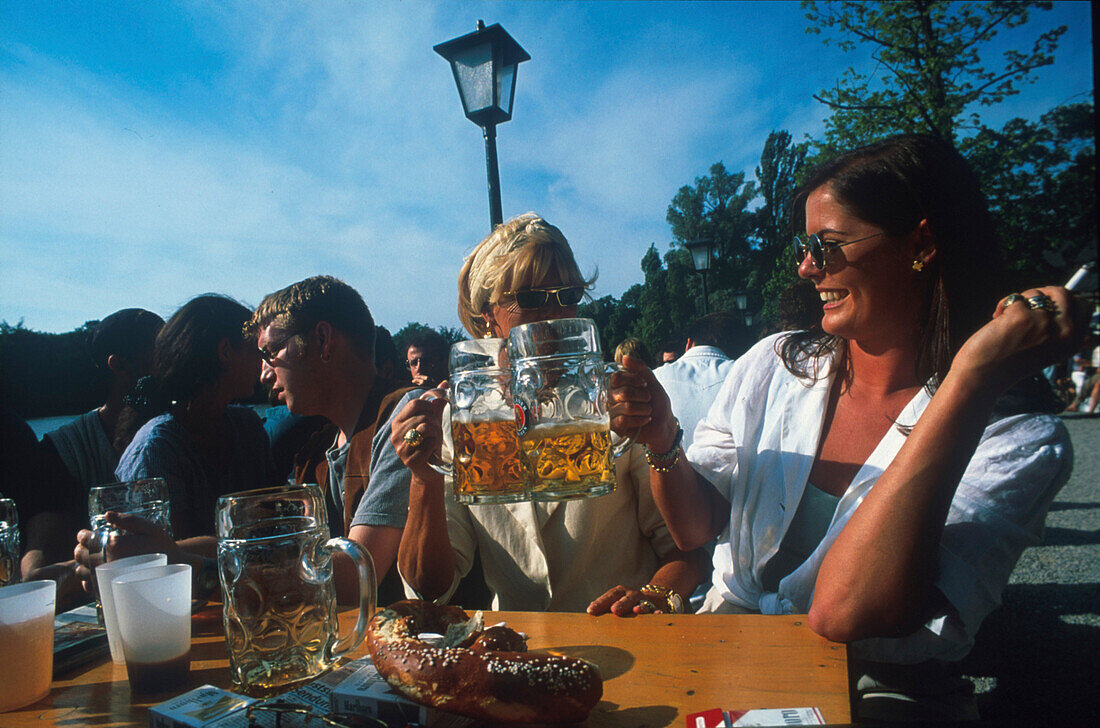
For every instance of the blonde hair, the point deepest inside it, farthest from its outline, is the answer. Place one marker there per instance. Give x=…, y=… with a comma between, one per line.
x=524, y=250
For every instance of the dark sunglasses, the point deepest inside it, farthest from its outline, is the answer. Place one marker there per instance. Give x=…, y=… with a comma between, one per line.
x=819, y=249
x=537, y=297
x=269, y=352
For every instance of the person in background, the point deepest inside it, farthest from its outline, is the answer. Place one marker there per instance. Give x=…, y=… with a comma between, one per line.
x=635, y=347
x=387, y=363
x=871, y=471
x=317, y=340
x=121, y=346
x=187, y=431
x=607, y=554
x=671, y=348
x=426, y=358
x=712, y=344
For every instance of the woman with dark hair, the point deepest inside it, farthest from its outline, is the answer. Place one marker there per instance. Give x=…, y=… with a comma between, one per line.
x=189, y=432
x=869, y=471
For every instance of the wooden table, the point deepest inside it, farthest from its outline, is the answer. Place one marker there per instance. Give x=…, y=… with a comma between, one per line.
x=657, y=669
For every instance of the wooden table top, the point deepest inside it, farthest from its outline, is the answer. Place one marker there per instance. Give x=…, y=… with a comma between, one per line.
x=657, y=669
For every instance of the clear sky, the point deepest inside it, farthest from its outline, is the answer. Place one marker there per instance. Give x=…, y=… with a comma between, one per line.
x=153, y=151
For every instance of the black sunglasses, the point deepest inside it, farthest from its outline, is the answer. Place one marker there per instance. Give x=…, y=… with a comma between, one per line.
x=269, y=352
x=537, y=297
x=818, y=249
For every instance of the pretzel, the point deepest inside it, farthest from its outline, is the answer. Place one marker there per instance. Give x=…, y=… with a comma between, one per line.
x=481, y=673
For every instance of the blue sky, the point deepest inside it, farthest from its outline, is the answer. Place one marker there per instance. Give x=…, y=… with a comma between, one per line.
x=150, y=152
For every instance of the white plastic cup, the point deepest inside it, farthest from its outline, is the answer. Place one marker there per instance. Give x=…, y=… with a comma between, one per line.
x=104, y=573
x=153, y=607
x=26, y=641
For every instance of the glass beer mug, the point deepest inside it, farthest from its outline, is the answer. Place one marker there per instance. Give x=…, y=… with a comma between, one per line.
x=560, y=389
x=275, y=564
x=486, y=466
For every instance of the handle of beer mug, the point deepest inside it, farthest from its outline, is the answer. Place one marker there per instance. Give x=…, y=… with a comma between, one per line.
x=626, y=443
x=365, y=566
x=435, y=461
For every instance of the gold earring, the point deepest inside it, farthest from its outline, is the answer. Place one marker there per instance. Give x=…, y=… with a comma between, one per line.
x=918, y=265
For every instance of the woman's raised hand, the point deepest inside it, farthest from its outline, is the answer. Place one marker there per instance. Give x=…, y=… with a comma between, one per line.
x=1028, y=331
x=417, y=432
x=640, y=406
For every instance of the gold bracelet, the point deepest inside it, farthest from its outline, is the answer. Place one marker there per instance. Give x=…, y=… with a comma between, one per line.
x=664, y=462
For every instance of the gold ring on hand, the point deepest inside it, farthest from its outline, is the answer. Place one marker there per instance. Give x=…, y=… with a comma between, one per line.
x=413, y=438
x=1042, y=301
x=648, y=605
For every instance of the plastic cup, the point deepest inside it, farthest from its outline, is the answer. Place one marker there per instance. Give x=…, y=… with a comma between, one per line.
x=26, y=639
x=153, y=606
x=104, y=573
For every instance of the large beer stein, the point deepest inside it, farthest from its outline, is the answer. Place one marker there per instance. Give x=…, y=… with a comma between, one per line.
x=275, y=563
x=560, y=390
x=486, y=467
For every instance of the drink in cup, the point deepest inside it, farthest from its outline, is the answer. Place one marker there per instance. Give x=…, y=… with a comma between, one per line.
x=486, y=465
x=569, y=459
x=153, y=606
x=275, y=563
x=26, y=642
x=560, y=390
x=10, y=542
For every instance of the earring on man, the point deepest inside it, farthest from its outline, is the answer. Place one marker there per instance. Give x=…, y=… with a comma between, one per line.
x=918, y=265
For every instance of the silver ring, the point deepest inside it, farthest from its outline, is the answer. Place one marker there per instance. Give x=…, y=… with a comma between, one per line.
x=413, y=438
x=1011, y=299
x=1042, y=301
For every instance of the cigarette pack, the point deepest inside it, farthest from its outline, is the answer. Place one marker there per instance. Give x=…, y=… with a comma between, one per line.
x=198, y=708
x=718, y=718
x=367, y=693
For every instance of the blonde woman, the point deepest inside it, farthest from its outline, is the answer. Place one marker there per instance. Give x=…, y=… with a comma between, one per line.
x=608, y=554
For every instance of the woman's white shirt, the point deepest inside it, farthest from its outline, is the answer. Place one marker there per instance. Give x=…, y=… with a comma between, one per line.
x=757, y=444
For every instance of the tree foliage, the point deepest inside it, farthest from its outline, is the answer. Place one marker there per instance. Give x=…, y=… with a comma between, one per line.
x=930, y=73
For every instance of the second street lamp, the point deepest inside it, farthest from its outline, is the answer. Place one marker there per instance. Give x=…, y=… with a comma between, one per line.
x=701, y=256
x=484, y=66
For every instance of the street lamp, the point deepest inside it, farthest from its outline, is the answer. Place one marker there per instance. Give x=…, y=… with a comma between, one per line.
x=484, y=66
x=701, y=256
x=741, y=301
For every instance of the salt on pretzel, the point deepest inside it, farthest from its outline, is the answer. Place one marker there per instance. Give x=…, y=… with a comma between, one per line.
x=481, y=673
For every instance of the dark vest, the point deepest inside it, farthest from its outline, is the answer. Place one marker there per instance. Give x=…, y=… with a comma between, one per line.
x=311, y=466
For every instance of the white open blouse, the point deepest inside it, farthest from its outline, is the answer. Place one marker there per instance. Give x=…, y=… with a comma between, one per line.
x=757, y=445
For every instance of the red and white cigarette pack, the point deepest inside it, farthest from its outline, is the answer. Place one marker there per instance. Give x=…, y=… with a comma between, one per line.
x=718, y=718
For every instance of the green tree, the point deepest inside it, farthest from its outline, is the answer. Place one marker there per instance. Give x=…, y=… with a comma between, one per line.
x=716, y=208
x=1041, y=181
x=781, y=164
x=930, y=73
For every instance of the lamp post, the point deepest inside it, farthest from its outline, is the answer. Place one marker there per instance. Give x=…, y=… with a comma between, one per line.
x=741, y=301
x=701, y=256
x=484, y=66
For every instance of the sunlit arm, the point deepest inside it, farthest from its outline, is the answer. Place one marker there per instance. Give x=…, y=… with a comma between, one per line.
x=425, y=557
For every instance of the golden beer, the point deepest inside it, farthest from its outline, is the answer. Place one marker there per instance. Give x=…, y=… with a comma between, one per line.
x=569, y=459
x=487, y=467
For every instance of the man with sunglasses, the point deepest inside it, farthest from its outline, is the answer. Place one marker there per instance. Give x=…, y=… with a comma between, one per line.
x=426, y=358
x=316, y=338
